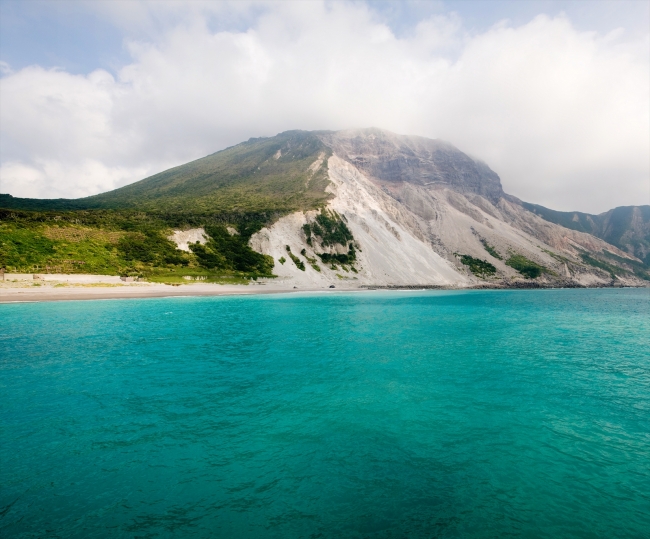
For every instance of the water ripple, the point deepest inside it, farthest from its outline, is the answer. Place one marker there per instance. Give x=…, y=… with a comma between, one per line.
x=428, y=414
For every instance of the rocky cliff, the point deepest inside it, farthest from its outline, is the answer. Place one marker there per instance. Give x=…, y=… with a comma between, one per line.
x=423, y=212
x=396, y=159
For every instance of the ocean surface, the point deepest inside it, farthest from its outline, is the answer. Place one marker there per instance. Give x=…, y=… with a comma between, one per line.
x=375, y=414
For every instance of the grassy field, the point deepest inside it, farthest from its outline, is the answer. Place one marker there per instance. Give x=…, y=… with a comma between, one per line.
x=59, y=250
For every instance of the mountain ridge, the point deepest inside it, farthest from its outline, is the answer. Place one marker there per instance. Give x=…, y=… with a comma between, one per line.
x=445, y=164
x=626, y=227
x=417, y=211
x=396, y=158
x=217, y=182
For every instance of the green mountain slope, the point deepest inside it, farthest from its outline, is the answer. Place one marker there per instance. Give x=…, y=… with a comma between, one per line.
x=126, y=230
x=284, y=173
x=626, y=227
x=110, y=242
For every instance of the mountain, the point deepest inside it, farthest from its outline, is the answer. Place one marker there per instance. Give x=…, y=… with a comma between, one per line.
x=362, y=207
x=396, y=159
x=262, y=174
x=418, y=207
x=626, y=227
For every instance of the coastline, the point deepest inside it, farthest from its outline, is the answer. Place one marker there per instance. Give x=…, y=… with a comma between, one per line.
x=30, y=294
x=12, y=292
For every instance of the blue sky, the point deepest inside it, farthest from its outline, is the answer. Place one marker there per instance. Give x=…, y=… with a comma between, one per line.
x=73, y=35
x=552, y=95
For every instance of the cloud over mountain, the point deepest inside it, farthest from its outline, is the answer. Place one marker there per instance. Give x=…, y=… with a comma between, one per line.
x=562, y=115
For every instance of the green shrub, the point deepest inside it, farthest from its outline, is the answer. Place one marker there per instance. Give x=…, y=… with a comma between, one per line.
x=491, y=250
x=609, y=268
x=150, y=248
x=348, y=258
x=231, y=252
x=307, y=230
x=625, y=266
x=310, y=259
x=299, y=263
x=330, y=228
x=478, y=267
x=528, y=268
x=207, y=257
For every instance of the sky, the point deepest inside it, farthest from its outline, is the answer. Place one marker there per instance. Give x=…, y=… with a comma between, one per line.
x=553, y=95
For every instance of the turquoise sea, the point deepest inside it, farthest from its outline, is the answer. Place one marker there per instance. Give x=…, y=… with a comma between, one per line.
x=374, y=414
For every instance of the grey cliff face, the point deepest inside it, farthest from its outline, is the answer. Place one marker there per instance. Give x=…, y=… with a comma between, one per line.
x=391, y=158
x=626, y=227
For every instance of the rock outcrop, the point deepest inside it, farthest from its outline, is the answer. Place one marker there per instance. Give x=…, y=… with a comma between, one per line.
x=392, y=158
x=416, y=207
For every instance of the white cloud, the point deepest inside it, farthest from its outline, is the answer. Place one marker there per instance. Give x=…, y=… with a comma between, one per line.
x=53, y=177
x=562, y=116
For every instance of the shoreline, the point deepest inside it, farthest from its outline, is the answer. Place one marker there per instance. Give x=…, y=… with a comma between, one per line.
x=31, y=294
x=75, y=293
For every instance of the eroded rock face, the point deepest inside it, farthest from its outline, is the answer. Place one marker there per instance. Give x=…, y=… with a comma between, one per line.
x=418, y=208
x=391, y=247
x=386, y=157
x=414, y=234
x=183, y=237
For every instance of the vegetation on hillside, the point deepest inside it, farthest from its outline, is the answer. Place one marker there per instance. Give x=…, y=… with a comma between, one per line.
x=329, y=228
x=226, y=251
x=127, y=243
x=150, y=247
x=30, y=243
x=312, y=261
x=491, y=250
x=244, y=187
x=626, y=227
x=616, y=265
x=641, y=270
x=282, y=174
x=609, y=268
x=528, y=268
x=299, y=263
x=480, y=268
x=333, y=258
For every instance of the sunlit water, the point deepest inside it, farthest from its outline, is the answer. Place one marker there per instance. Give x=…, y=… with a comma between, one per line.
x=377, y=414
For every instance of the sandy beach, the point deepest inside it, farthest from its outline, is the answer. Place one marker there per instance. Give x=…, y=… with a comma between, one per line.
x=89, y=287
x=15, y=291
